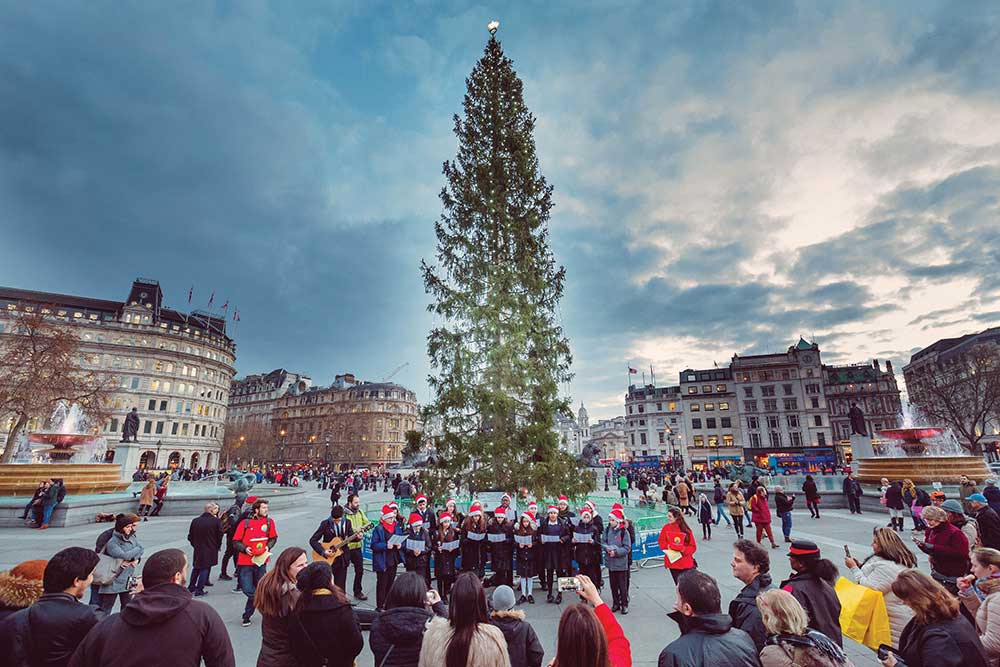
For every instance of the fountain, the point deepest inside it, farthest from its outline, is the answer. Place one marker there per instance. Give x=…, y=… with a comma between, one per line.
x=65, y=453
x=924, y=454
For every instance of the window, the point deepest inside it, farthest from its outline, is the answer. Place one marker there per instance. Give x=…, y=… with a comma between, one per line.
x=727, y=422
x=713, y=441
x=632, y=438
x=818, y=420
x=786, y=389
x=630, y=409
x=135, y=383
x=821, y=439
x=755, y=439
x=812, y=388
x=724, y=405
x=710, y=423
x=774, y=438
x=662, y=436
x=642, y=438
x=786, y=374
x=672, y=406
x=772, y=421
x=691, y=378
x=114, y=426
x=696, y=423
x=692, y=390
x=814, y=402
x=152, y=404
x=163, y=406
x=187, y=407
x=727, y=440
x=767, y=390
x=166, y=386
x=709, y=407
x=699, y=441
x=642, y=408
x=791, y=404
x=159, y=428
x=770, y=405
x=793, y=421
x=748, y=392
x=642, y=422
x=795, y=438
x=706, y=389
x=659, y=407
x=749, y=406
x=173, y=428
x=147, y=427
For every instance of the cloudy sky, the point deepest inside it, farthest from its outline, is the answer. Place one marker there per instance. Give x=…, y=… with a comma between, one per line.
x=727, y=178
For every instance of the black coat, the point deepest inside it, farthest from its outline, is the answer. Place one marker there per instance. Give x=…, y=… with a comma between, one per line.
x=413, y=561
x=783, y=502
x=809, y=488
x=989, y=527
x=992, y=494
x=550, y=556
x=708, y=641
x=820, y=601
x=526, y=557
x=402, y=628
x=326, y=629
x=852, y=488
x=444, y=561
x=162, y=625
x=952, y=643
x=326, y=532
x=587, y=554
x=56, y=626
x=894, y=496
x=523, y=646
x=501, y=553
x=205, y=536
x=473, y=551
x=745, y=613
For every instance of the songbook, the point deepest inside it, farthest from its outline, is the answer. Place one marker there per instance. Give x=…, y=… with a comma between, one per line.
x=416, y=545
x=396, y=540
x=449, y=546
x=523, y=539
x=548, y=539
x=261, y=558
x=497, y=537
x=583, y=538
x=475, y=537
x=673, y=556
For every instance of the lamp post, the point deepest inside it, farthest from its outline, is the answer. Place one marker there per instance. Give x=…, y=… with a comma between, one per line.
x=281, y=447
x=326, y=453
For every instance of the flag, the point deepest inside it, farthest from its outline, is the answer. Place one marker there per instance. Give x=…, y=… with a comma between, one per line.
x=190, y=293
x=211, y=299
x=237, y=316
x=632, y=371
x=225, y=305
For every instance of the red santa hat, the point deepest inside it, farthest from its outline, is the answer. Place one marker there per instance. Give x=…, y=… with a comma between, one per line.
x=531, y=518
x=617, y=516
x=586, y=510
x=394, y=505
x=505, y=496
x=533, y=506
x=445, y=516
x=553, y=508
x=500, y=512
x=450, y=501
x=420, y=497
x=476, y=508
x=591, y=505
x=563, y=499
x=416, y=521
x=388, y=514
x=618, y=506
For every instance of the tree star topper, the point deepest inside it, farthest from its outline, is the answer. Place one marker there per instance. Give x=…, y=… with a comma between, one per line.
x=492, y=26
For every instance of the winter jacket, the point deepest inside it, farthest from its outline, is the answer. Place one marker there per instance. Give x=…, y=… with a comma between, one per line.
x=400, y=629
x=474, y=552
x=58, y=620
x=683, y=492
x=989, y=527
x=894, y=496
x=948, y=549
x=415, y=563
x=619, y=649
x=444, y=561
x=382, y=556
x=809, y=488
x=162, y=625
x=782, y=653
x=128, y=548
x=148, y=493
x=744, y=612
x=587, y=554
x=736, y=503
x=550, y=556
x=501, y=553
x=878, y=573
x=205, y=536
x=820, y=601
x=852, y=488
x=525, y=557
x=325, y=629
x=709, y=640
x=783, y=502
x=988, y=619
x=760, y=511
x=523, y=646
x=704, y=511
x=718, y=494
x=671, y=537
x=992, y=494
x=488, y=647
x=950, y=643
x=618, y=540
x=275, y=649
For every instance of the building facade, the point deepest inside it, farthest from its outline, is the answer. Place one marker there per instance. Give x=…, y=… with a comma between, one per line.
x=252, y=399
x=610, y=437
x=654, y=423
x=348, y=424
x=709, y=401
x=176, y=368
x=782, y=405
x=872, y=388
x=574, y=433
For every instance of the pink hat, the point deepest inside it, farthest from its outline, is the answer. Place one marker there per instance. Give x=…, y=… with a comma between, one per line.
x=416, y=520
x=388, y=514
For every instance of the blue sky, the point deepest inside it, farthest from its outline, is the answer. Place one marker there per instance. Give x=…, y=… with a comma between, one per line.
x=727, y=175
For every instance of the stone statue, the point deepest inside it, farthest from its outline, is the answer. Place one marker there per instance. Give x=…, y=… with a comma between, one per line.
x=242, y=482
x=745, y=472
x=590, y=455
x=857, y=420
x=130, y=429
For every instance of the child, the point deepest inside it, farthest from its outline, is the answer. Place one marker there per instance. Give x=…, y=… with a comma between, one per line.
x=617, y=548
x=444, y=559
x=474, y=548
x=522, y=641
x=501, y=544
x=418, y=546
x=551, y=534
x=587, y=547
x=705, y=516
x=526, y=556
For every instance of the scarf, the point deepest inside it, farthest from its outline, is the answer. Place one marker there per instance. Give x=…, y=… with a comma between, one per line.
x=812, y=639
x=389, y=526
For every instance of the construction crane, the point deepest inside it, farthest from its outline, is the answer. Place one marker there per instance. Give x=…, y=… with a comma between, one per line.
x=394, y=371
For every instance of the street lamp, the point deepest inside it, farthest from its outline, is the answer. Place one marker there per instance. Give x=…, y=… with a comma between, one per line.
x=281, y=448
x=326, y=455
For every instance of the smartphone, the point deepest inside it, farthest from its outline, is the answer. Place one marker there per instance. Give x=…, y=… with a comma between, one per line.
x=847, y=552
x=569, y=584
x=133, y=583
x=884, y=650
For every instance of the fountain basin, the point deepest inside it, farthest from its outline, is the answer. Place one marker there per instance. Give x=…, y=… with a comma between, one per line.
x=21, y=479
x=59, y=446
x=924, y=462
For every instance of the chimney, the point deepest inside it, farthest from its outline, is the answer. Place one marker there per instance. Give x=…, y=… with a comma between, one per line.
x=888, y=366
x=875, y=364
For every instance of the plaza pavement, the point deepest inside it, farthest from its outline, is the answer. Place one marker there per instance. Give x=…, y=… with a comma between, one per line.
x=652, y=590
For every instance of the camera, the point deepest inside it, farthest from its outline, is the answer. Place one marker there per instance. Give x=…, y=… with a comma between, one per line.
x=883, y=651
x=569, y=584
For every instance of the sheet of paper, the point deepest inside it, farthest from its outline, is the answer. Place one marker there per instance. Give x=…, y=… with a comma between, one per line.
x=476, y=537
x=583, y=538
x=449, y=546
x=548, y=539
x=673, y=556
x=495, y=537
x=397, y=539
x=523, y=539
x=416, y=545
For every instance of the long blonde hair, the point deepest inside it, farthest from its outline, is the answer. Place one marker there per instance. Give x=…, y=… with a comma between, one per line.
x=889, y=546
x=782, y=614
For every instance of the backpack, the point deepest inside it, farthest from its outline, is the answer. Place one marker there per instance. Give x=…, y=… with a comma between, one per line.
x=230, y=518
x=720, y=496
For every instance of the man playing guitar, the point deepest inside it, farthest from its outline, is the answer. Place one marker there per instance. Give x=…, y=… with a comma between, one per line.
x=331, y=528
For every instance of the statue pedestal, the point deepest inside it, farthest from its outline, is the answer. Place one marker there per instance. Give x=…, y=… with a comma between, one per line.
x=861, y=447
x=127, y=456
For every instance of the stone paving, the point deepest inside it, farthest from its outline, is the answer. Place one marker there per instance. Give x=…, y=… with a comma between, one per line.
x=652, y=591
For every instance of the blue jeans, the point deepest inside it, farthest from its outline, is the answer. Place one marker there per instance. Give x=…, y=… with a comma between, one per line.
x=199, y=577
x=48, y=513
x=786, y=523
x=249, y=576
x=720, y=512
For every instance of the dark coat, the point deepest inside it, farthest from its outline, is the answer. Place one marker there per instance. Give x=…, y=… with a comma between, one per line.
x=501, y=553
x=525, y=557
x=274, y=647
x=745, y=613
x=989, y=527
x=952, y=643
x=894, y=496
x=708, y=641
x=205, y=536
x=444, y=561
x=382, y=556
x=809, y=488
x=326, y=532
x=402, y=629
x=473, y=551
x=162, y=625
x=414, y=562
x=992, y=494
x=57, y=624
x=551, y=552
x=783, y=502
x=326, y=629
x=820, y=601
x=948, y=548
x=523, y=646
x=587, y=554
x=852, y=488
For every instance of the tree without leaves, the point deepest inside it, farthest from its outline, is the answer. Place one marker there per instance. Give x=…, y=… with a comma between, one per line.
x=42, y=366
x=963, y=394
x=500, y=354
x=258, y=443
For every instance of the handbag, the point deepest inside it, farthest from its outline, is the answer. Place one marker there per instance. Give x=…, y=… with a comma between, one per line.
x=107, y=567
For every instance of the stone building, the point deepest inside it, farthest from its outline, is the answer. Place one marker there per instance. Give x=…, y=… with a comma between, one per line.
x=709, y=402
x=176, y=368
x=872, y=388
x=573, y=433
x=348, y=423
x=781, y=403
x=654, y=423
x=252, y=399
x=609, y=436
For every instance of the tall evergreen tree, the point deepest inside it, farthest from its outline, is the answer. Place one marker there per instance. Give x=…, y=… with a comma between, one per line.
x=500, y=354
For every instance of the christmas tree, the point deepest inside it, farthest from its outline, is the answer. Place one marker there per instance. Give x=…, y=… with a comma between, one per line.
x=499, y=353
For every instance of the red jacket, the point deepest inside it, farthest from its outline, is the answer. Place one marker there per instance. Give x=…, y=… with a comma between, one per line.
x=671, y=537
x=256, y=534
x=948, y=548
x=619, y=649
x=760, y=511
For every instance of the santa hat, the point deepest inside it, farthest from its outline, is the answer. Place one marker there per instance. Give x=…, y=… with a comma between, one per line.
x=532, y=506
x=421, y=497
x=617, y=516
x=500, y=512
x=388, y=514
x=563, y=499
x=416, y=521
x=531, y=518
x=450, y=501
x=618, y=506
x=476, y=508
x=591, y=505
x=445, y=516
x=394, y=505
x=505, y=496
x=552, y=508
x=586, y=510
x=251, y=500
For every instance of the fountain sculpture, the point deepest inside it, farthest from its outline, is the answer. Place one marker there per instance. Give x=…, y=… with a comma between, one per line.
x=923, y=454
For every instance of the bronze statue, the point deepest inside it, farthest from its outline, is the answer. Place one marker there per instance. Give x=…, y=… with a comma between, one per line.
x=130, y=429
x=857, y=420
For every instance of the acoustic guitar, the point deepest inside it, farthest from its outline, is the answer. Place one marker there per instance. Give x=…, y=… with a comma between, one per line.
x=338, y=544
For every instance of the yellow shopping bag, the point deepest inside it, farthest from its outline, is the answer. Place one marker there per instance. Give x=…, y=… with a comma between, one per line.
x=863, y=616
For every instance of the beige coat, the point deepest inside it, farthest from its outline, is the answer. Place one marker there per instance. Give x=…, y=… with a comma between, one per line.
x=736, y=503
x=683, y=493
x=879, y=573
x=488, y=648
x=988, y=620
x=148, y=491
x=786, y=655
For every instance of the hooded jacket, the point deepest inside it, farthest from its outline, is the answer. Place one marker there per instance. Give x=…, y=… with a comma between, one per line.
x=488, y=647
x=398, y=633
x=162, y=625
x=819, y=599
x=326, y=629
x=709, y=640
x=948, y=548
x=61, y=622
x=523, y=646
x=744, y=611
